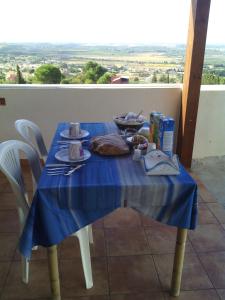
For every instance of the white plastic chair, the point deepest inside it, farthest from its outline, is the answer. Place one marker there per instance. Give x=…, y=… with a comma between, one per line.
x=10, y=166
x=25, y=128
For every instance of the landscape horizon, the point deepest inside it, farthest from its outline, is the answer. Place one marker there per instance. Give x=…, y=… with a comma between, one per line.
x=141, y=63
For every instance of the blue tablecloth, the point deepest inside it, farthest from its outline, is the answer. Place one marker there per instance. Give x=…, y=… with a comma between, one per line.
x=64, y=204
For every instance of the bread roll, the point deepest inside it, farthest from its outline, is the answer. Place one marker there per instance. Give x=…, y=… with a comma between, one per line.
x=110, y=144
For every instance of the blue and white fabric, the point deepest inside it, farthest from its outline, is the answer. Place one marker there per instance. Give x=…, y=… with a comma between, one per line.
x=64, y=204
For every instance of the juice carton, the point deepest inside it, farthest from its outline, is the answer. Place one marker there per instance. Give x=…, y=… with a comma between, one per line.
x=154, y=126
x=166, y=135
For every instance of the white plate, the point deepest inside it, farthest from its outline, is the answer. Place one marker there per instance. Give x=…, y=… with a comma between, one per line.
x=63, y=155
x=65, y=134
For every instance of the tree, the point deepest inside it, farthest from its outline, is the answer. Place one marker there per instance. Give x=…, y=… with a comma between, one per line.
x=172, y=80
x=154, y=78
x=136, y=79
x=2, y=77
x=209, y=78
x=93, y=71
x=168, y=77
x=78, y=79
x=65, y=81
x=19, y=76
x=163, y=78
x=105, y=79
x=48, y=74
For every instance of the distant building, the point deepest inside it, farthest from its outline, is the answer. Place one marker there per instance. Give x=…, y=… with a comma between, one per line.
x=119, y=80
x=11, y=77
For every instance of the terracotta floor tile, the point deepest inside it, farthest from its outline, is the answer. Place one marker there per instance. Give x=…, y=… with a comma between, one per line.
x=4, y=268
x=214, y=264
x=70, y=247
x=122, y=217
x=205, y=194
x=7, y=201
x=132, y=274
x=162, y=239
x=28, y=183
x=38, y=287
x=48, y=298
x=194, y=277
x=195, y=295
x=205, y=215
x=148, y=296
x=146, y=221
x=200, y=199
x=221, y=293
x=218, y=210
x=72, y=278
x=209, y=237
x=8, y=243
x=126, y=241
x=5, y=185
x=99, y=223
x=40, y=253
x=88, y=298
x=9, y=221
x=194, y=176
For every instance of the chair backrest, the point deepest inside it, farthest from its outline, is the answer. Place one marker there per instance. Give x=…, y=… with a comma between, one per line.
x=25, y=127
x=10, y=166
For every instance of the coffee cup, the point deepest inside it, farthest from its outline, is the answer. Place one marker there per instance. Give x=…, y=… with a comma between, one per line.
x=76, y=151
x=151, y=146
x=74, y=130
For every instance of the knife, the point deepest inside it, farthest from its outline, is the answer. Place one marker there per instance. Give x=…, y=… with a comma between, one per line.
x=58, y=165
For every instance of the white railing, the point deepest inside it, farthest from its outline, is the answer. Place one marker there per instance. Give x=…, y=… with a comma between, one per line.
x=49, y=104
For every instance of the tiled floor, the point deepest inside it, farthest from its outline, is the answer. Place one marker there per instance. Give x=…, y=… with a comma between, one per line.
x=132, y=257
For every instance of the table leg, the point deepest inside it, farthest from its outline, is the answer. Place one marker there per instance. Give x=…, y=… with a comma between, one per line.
x=178, y=261
x=54, y=272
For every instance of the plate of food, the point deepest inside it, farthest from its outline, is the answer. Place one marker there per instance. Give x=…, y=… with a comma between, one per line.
x=136, y=140
x=129, y=120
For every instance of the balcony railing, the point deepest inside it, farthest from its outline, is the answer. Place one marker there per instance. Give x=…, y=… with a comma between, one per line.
x=49, y=104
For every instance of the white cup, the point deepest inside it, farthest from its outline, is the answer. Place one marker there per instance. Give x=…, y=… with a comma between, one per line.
x=74, y=130
x=151, y=146
x=75, y=150
x=137, y=154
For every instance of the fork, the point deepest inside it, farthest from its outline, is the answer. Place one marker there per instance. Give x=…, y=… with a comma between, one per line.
x=61, y=172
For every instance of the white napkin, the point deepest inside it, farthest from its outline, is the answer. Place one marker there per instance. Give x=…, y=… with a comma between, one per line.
x=156, y=162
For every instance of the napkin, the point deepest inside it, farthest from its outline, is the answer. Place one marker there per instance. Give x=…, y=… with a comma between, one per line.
x=156, y=162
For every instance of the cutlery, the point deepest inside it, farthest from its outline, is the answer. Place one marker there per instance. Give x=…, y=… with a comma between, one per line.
x=74, y=169
x=58, y=165
x=62, y=171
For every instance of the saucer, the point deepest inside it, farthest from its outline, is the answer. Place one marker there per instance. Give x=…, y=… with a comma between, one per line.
x=65, y=134
x=63, y=155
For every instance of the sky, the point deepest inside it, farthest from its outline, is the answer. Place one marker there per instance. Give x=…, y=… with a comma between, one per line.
x=104, y=22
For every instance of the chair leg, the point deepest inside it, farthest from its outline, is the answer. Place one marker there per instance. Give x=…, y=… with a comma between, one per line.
x=83, y=237
x=25, y=269
x=90, y=234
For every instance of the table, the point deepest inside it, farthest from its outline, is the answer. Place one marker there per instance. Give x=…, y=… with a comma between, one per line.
x=64, y=204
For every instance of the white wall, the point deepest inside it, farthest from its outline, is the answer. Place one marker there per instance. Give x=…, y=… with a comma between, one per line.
x=48, y=105
x=210, y=127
